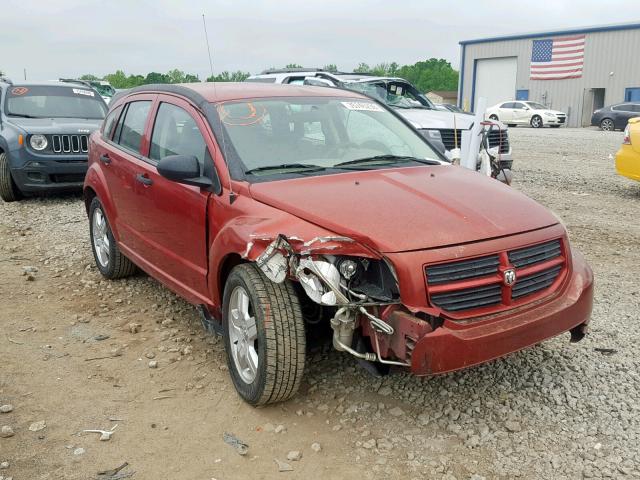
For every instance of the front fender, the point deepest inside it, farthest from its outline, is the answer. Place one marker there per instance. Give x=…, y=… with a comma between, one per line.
x=245, y=237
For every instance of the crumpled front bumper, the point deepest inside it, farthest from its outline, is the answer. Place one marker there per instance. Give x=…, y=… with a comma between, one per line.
x=455, y=346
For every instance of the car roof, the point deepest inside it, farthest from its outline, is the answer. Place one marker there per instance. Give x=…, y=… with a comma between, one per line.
x=51, y=83
x=215, y=92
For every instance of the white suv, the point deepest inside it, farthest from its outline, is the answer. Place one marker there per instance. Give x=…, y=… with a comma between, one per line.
x=399, y=94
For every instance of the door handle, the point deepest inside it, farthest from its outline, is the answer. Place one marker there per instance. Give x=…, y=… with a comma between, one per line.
x=144, y=179
x=105, y=159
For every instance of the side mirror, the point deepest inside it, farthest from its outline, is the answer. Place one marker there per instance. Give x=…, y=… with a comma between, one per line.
x=183, y=169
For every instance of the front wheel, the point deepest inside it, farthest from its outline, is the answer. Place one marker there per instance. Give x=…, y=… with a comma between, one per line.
x=493, y=117
x=109, y=260
x=264, y=336
x=536, y=121
x=607, y=125
x=9, y=191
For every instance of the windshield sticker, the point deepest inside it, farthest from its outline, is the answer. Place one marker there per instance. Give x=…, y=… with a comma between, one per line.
x=19, y=91
x=363, y=106
x=78, y=91
x=242, y=115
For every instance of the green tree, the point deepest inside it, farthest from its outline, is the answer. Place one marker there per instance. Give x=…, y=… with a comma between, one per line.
x=117, y=79
x=88, y=76
x=225, y=76
x=190, y=78
x=362, y=68
x=331, y=68
x=155, y=77
x=175, y=76
x=432, y=74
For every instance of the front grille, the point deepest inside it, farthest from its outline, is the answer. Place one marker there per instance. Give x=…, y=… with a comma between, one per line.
x=536, y=282
x=468, y=298
x=535, y=254
x=499, y=138
x=451, y=272
x=495, y=137
x=69, y=143
x=466, y=285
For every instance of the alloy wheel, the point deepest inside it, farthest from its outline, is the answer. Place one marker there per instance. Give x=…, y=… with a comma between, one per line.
x=607, y=124
x=243, y=335
x=100, y=237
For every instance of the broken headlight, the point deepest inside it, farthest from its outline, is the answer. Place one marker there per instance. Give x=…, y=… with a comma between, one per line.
x=335, y=280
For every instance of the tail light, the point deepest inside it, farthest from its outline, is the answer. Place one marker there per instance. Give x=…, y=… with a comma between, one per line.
x=627, y=138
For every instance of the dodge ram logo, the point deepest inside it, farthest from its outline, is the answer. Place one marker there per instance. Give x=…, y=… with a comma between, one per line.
x=509, y=277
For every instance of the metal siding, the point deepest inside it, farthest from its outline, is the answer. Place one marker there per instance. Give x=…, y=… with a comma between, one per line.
x=605, y=52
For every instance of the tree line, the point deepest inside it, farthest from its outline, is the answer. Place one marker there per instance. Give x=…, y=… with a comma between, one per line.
x=427, y=75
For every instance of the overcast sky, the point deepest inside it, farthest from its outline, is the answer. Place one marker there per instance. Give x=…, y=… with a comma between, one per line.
x=66, y=38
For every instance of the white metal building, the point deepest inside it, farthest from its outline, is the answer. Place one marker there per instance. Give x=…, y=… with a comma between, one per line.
x=600, y=67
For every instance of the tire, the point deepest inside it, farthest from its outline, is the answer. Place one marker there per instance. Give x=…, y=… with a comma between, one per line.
x=265, y=341
x=536, y=121
x=9, y=191
x=110, y=261
x=493, y=117
x=607, y=125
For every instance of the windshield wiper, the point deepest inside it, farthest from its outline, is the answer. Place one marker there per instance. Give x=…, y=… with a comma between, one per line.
x=301, y=167
x=387, y=159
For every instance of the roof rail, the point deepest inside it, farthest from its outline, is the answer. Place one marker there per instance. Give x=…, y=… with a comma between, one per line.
x=291, y=70
x=5, y=80
x=73, y=80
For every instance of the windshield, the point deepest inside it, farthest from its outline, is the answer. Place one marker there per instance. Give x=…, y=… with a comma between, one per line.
x=537, y=106
x=393, y=93
x=54, y=102
x=314, y=134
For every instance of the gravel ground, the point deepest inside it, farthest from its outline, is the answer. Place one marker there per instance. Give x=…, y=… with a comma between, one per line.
x=557, y=411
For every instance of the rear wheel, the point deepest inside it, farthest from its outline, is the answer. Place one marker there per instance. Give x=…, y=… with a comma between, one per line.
x=264, y=336
x=9, y=191
x=536, y=121
x=607, y=125
x=109, y=260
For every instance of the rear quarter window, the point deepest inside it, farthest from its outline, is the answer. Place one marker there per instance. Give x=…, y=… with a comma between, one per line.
x=130, y=128
x=110, y=122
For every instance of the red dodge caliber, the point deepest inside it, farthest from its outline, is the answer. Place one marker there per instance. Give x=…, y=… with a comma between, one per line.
x=273, y=208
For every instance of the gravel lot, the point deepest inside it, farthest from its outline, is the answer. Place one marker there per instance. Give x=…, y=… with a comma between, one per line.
x=554, y=411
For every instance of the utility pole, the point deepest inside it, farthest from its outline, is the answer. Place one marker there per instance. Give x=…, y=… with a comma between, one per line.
x=206, y=36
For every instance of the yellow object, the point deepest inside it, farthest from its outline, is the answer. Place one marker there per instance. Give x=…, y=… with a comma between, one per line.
x=628, y=157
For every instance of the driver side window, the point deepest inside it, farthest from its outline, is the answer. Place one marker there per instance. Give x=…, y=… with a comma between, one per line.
x=175, y=132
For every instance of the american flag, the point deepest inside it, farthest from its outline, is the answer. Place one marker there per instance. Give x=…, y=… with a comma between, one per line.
x=557, y=58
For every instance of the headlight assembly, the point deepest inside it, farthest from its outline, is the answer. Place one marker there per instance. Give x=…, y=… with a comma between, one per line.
x=38, y=142
x=431, y=134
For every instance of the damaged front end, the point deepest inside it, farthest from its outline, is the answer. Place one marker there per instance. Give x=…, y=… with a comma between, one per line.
x=355, y=285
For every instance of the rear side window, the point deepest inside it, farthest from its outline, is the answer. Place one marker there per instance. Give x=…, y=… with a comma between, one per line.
x=175, y=132
x=131, y=125
x=110, y=123
x=625, y=107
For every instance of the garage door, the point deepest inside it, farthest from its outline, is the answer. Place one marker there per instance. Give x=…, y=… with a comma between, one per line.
x=495, y=79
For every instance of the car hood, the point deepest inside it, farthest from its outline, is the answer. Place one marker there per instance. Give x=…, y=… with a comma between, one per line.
x=55, y=125
x=437, y=119
x=412, y=208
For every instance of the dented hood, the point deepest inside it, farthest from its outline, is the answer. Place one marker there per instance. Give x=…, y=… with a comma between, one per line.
x=395, y=210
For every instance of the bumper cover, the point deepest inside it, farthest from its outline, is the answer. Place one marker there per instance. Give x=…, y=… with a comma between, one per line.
x=455, y=346
x=41, y=173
